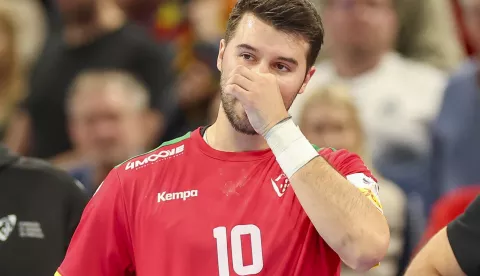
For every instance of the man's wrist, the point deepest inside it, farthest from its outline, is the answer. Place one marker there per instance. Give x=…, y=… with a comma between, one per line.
x=290, y=147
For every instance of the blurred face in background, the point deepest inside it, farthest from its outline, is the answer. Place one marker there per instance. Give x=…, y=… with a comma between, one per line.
x=107, y=125
x=360, y=26
x=6, y=44
x=198, y=11
x=327, y=125
x=471, y=12
x=77, y=11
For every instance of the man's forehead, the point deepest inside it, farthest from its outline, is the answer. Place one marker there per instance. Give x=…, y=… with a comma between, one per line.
x=253, y=31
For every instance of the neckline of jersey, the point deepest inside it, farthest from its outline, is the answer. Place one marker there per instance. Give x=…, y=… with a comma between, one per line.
x=243, y=156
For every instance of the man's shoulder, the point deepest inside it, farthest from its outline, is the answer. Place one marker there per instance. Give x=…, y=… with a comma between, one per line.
x=336, y=156
x=156, y=157
x=345, y=162
x=43, y=173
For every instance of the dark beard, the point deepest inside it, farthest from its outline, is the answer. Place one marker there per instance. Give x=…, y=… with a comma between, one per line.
x=239, y=122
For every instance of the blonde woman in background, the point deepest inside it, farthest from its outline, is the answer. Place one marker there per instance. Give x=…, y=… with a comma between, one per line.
x=330, y=119
x=11, y=81
x=22, y=35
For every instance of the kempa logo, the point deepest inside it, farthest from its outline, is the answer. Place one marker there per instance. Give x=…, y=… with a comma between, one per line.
x=176, y=196
x=155, y=157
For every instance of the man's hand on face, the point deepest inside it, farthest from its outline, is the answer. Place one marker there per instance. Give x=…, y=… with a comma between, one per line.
x=260, y=96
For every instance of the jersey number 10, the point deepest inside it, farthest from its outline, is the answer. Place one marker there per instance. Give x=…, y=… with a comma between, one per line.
x=220, y=234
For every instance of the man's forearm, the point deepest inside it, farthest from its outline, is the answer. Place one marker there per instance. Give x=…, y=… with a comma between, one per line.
x=422, y=266
x=342, y=215
x=436, y=259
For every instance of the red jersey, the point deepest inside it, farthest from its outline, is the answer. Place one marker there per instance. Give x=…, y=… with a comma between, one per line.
x=187, y=209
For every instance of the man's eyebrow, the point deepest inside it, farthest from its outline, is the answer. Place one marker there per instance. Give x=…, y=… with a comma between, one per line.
x=244, y=46
x=247, y=47
x=289, y=60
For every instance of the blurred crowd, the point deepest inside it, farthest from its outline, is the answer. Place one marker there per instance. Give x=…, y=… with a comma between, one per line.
x=87, y=84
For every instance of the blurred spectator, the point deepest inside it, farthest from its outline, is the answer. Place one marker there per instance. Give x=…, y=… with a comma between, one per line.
x=456, y=132
x=330, y=119
x=40, y=208
x=109, y=121
x=462, y=30
x=183, y=25
x=30, y=27
x=427, y=31
x=397, y=98
x=22, y=31
x=53, y=16
x=95, y=34
x=11, y=82
x=143, y=12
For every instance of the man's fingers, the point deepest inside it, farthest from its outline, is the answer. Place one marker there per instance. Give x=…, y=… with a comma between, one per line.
x=244, y=71
x=241, y=81
x=237, y=91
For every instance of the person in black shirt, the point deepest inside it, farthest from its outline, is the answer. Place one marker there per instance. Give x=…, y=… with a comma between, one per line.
x=40, y=208
x=95, y=35
x=455, y=250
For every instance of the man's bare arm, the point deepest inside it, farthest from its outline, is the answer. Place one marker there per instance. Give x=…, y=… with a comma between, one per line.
x=342, y=215
x=436, y=259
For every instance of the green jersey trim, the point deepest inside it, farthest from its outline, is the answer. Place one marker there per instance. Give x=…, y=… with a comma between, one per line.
x=164, y=144
x=317, y=148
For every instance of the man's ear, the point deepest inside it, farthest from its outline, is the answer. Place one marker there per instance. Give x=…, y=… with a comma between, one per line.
x=309, y=75
x=221, y=52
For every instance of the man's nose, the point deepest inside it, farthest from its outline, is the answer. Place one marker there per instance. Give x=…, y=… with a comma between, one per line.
x=261, y=68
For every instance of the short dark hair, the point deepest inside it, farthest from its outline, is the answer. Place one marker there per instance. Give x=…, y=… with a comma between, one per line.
x=297, y=17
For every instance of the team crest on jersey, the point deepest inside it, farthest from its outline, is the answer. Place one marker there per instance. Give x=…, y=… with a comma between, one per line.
x=280, y=184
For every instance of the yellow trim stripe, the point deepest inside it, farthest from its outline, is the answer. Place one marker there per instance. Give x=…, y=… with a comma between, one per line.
x=57, y=274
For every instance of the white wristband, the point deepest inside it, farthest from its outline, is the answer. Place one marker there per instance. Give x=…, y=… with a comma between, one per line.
x=290, y=147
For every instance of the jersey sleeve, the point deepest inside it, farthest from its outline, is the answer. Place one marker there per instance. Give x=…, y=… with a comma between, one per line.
x=101, y=244
x=355, y=171
x=464, y=237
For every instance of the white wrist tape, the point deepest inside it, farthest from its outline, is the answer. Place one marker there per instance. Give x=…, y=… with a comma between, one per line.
x=290, y=147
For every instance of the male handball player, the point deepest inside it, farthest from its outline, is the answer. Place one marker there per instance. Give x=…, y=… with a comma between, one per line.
x=248, y=195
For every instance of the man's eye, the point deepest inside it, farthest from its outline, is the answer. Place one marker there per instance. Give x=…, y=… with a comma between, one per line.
x=247, y=56
x=282, y=67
